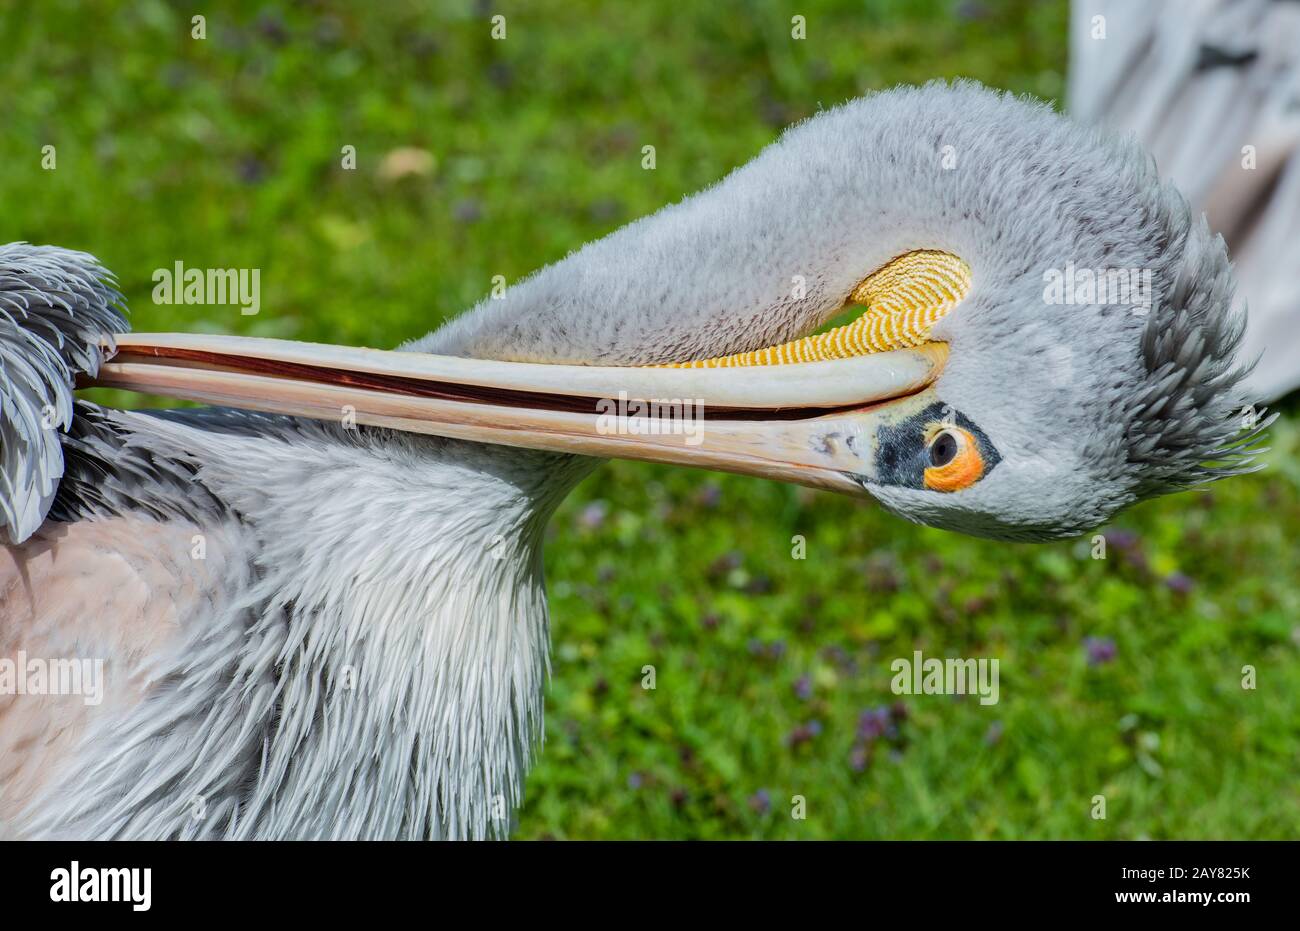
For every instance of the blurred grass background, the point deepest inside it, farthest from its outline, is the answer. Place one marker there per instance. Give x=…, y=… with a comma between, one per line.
x=1120, y=677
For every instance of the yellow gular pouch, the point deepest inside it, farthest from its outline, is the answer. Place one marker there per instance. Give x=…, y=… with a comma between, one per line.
x=904, y=299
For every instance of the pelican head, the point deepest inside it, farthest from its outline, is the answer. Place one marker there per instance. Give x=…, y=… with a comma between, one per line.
x=1047, y=334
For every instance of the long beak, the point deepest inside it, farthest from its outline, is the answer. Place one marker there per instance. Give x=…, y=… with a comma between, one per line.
x=814, y=423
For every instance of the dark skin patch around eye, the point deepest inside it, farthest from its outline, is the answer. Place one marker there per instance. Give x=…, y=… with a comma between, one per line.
x=902, y=455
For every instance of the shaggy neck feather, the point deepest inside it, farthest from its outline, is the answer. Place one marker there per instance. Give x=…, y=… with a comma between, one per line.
x=416, y=653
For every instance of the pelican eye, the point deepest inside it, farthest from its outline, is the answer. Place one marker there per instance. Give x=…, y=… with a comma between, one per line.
x=943, y=449
x=955, y=458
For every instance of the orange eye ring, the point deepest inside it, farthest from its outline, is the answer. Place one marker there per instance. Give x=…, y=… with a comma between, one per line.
x=956, y=458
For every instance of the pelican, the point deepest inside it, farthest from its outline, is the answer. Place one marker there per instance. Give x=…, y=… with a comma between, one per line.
x=320, y=602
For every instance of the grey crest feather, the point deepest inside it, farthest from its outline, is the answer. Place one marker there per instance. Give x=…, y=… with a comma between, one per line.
x=1190, y=420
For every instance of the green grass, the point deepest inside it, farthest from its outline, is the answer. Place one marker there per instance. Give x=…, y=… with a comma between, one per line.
x=226, y=153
